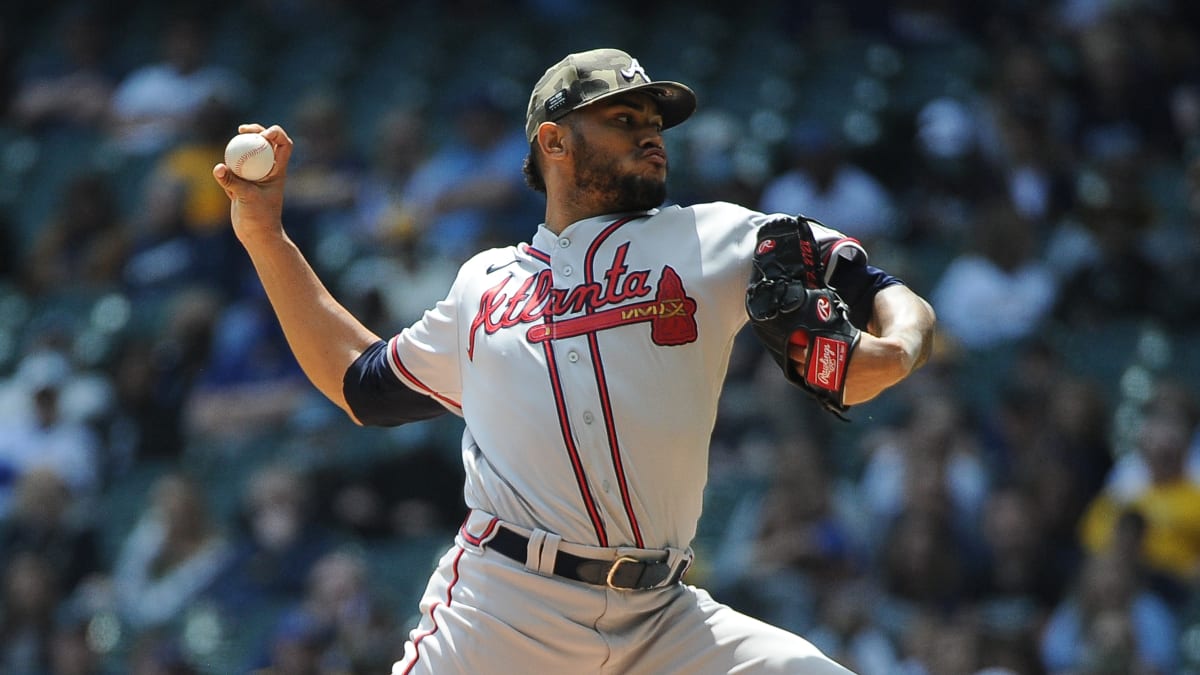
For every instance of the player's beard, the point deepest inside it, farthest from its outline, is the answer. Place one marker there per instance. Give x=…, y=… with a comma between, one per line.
x=602, y=177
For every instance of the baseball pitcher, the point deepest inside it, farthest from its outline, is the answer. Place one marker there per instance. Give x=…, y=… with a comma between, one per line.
x=586, y=365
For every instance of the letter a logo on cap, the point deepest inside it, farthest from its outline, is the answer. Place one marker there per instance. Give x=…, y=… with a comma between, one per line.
x=633, y=69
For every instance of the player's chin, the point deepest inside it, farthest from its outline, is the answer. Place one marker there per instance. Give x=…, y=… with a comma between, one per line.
x=643, y=192
x=654, y=168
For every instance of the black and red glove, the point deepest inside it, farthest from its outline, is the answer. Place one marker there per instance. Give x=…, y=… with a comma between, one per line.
x=789, y=303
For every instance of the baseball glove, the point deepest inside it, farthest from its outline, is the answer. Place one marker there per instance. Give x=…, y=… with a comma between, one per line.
x=789, y=303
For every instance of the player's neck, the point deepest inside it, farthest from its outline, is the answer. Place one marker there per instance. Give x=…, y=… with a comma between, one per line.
x=561, y=213
x=569, y=202
x=572, y=206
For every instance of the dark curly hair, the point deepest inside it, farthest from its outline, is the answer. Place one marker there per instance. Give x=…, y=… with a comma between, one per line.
x=532, y=169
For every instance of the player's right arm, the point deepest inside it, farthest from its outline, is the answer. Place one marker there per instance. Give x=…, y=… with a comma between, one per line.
x=324, y=336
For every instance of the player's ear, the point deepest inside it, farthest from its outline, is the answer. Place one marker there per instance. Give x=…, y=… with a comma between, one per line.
x=552, y=138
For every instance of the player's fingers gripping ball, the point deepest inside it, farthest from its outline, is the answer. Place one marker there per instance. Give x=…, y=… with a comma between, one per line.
x=791, y=307
x=250, y=156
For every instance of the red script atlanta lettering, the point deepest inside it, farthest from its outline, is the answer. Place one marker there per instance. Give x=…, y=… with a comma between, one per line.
x=535, y=299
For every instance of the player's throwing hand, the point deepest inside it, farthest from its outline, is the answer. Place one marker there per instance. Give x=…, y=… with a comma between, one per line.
x=258, y=206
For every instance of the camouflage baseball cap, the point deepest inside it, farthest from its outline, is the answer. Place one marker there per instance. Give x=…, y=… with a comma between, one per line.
x=584, y=78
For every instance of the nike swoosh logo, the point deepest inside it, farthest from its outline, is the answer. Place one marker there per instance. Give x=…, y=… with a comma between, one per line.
x=493, y=267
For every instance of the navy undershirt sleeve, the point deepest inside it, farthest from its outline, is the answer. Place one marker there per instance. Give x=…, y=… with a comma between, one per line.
x=378, y=398
x=857, y=283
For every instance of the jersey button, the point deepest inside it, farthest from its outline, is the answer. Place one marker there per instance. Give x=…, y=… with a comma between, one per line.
x=573, y=356
x=567, y=271
x=564, y=242
x=588, y=417
x=606, y=485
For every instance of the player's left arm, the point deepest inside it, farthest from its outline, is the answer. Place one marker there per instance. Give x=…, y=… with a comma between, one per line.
x=898, y=340
x=897, y=328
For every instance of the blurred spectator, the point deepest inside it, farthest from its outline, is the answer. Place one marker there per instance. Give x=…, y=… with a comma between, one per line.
x=999, y=290
x=297, y=646
x=251, y=382
x=950, y=177
x=341, y=595
x=325, y=172
x=154, y=653
x=1048, y=435
x=45, y=437
x=782, y=547
x=1185, y=115
x=1034, y=167
x=932, y=463
x=46, y=521
x=1110, y=624
x=71, y=650
x=1170, y=547
x=401, y=144
x=338, y=626
x=84, y=245
x=924, y=487
x=938, y=643
x=70, y=85
x=170, y=558
x=392, y=267
x=1175, y=241
x=1113, y=80
x=470, y=193
x=277, y=544
x=1020, y=576
x=154, y=105
x=924, y=566
x=1130, y=475
x=1025, y=126
x=822, y=182
x=918, y=495
x=154, y=376
x=30, y=596
x=1019, y=579
x=742, y=423
x=403, y=494
x=1106, y=270
x=183, y=233
x=45, y=359
x=846, y=630
x=705, y=165
x=393, y=289
x=1076, y=432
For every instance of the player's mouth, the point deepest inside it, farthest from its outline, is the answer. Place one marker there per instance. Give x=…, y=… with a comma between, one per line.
x=656, y=156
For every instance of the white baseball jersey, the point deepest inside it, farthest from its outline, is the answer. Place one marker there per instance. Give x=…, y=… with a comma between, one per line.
x=588, y=366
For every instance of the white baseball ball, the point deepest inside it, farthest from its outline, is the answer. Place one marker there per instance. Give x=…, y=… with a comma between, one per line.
x=250, y=156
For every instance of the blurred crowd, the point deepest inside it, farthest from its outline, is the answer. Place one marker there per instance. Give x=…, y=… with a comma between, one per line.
x=174, y=497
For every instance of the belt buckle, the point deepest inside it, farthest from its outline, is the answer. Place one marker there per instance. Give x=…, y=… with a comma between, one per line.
x=612, y=571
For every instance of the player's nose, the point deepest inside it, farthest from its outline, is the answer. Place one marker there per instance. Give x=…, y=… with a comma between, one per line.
x=650, y=137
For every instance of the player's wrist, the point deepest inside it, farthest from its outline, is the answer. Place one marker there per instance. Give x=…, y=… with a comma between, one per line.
x=254, y=237
x=888, y=357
